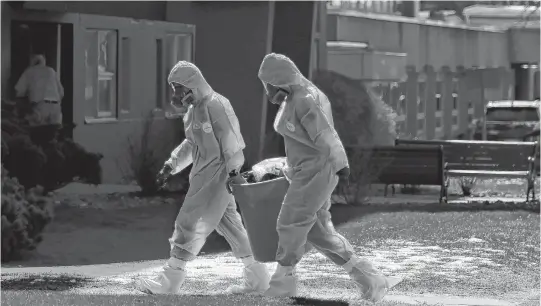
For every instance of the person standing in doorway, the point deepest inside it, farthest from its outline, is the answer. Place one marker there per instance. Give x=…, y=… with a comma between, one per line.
x=41, y=85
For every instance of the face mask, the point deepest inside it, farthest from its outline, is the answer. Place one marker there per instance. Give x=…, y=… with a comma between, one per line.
x=182, y=101
x=279, y=97
x=188, y=98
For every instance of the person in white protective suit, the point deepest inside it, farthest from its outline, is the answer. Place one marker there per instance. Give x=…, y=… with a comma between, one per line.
x=316, y=161
x=215, y=146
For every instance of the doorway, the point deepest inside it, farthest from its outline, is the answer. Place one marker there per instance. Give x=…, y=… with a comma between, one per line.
x=55, y=42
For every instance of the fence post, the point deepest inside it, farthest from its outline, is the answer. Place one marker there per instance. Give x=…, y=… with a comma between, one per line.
x=411, y=100
x=447, y=101
x=430, y=102
x=463, y=100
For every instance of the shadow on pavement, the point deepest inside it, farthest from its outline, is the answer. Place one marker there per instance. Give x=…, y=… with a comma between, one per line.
x=44, y=282
x=317, y=302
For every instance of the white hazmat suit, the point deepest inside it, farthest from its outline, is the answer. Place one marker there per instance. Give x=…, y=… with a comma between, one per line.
x=314, y=155
x=214, y=145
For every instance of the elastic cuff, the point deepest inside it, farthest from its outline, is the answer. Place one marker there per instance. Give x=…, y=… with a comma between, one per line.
x=248, y=260
x=348, y=266
x=176, y=263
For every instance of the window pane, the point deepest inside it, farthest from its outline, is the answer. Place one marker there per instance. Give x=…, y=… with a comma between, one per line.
x=107, y=53
x=126, y=75
x=91, y=77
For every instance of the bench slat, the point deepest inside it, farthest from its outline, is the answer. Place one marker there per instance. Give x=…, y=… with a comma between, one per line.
x=488, y=173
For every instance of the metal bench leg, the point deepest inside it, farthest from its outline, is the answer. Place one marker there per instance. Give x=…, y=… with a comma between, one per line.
x=445, y=187
x=385, y=190
x=393, y=189
x=531, y=188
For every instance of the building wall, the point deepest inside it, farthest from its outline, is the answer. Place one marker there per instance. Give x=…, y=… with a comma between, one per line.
x=232, y=39
x=524, y=45
x=151, y=10
x=6, y=48
x=227, y=51
x=425, y=42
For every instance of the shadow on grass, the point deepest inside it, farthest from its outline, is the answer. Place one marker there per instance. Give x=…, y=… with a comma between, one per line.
x=346, y=213
x=44, y=282
x=16, y=298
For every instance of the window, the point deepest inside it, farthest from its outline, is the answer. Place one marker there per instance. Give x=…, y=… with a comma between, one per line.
x=101, y=73
x=178, y=47
x=517, y=114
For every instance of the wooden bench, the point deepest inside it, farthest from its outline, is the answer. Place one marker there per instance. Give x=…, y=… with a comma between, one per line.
x=485, y=159
x=390, y=165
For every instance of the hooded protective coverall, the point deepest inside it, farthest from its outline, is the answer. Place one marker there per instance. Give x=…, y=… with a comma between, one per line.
x=314, y=154
x=214, y=145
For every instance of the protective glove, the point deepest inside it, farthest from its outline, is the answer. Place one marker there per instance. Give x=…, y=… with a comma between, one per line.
x=234, y=178
x=343, y=175
x=164, y=175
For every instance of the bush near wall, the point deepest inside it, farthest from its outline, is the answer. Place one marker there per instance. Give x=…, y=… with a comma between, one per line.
x=361, y=119
x=25, y=213
x=50, y=164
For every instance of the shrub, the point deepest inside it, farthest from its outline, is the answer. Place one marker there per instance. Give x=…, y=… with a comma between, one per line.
x=361, y=119
x=144, y=160
x=50, y=164
x=25, y=213
x=466, y=185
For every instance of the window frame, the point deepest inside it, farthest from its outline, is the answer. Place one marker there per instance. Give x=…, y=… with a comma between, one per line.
x=95, y=113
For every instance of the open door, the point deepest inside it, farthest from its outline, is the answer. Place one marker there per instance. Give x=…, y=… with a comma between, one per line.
x=55, y=42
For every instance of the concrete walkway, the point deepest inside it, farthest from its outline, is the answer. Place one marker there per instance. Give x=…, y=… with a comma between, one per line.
x=209, y=275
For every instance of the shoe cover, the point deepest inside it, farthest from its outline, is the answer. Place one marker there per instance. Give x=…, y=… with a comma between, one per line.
x=372, y=284
x=168, y=281
x=283, y=283
x=256, y=280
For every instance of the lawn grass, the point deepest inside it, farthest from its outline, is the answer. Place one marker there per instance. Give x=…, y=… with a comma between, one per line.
x=483, y=251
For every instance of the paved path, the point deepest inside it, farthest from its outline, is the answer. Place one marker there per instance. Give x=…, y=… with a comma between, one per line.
x=210, y=275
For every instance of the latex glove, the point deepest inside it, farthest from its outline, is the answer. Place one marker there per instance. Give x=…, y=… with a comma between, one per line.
x=343, y=175
x=164, y=175
x=236, y=179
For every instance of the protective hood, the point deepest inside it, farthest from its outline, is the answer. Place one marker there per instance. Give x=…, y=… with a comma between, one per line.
x=279, y=70
x=187, y=74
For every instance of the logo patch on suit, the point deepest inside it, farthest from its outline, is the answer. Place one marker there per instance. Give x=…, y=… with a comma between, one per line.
x=207, y=127
x=290, y=126
x=196, y=126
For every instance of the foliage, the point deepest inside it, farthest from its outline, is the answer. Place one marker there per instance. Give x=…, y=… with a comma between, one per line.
x=362, y=120
x=50, y=164
x=466, y=185
x=25, y=213
x=144, y=160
